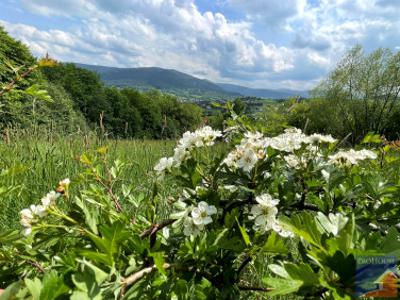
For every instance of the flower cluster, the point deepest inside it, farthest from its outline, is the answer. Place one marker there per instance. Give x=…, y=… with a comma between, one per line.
x=351, y=157
x=253, y=148
x=247, y=153
x=30, y=215
x=204, y=136
x=264, y=215
x=199, y=217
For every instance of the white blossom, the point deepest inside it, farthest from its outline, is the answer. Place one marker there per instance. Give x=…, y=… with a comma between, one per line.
x=201, y=214
x=246, y=155
x=296, y=162
x=351, y=157
x=319, y=138
x=325, y=174
x=248, y=160
x=28, y=216
x=204, y=136
x=191, y=229
x=50, y=198
x=264, y=213
x=165, y=163
x=65, y=182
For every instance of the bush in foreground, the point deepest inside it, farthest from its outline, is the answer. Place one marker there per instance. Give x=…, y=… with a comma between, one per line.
x=250, y=215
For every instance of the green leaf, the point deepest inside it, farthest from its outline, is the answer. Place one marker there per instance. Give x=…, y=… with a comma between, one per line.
x=34, y=286
x=11, y=291
x=303, y=225
x=331, y=224
x=52, y=286
x=158, y=258
x=275, y=244
x=88, y=282
x=302, y=272
x=91, y=215
x=282, y=286
x=372, y=138
x=245, y=236
x=279, y=270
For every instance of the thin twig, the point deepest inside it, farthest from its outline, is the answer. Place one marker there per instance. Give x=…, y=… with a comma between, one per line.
x=156, y=227
x=36, y=265
x=139, y=275
x=244, y=264
x=10, y=85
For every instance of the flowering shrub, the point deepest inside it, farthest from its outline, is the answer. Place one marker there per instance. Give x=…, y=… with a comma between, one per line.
x=249, y=215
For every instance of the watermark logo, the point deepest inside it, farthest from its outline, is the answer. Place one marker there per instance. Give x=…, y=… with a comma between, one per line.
x=377, y=277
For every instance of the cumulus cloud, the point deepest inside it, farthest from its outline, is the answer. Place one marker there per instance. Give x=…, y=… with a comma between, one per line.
x=301, y=42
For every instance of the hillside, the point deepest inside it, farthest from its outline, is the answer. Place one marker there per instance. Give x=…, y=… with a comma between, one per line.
x=182, y=85
x=262, y=93
x=166, y=80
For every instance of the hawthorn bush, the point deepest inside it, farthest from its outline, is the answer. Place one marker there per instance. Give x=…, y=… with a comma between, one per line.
x=248, y=216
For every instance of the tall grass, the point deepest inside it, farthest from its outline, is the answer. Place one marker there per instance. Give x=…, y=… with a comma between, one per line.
x=36, y=163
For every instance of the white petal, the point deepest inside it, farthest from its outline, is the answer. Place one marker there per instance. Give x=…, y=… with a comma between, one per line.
x=197, y=221
x=207, y=220
x=211, y=210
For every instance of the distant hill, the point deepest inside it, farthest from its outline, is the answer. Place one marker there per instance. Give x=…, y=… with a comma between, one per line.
x=185, y=86
x=167, y=80
x=262, y=93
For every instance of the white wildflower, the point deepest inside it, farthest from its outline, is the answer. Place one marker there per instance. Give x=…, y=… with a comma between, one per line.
x=65, y=182
x=27, y=231
x=201, y=214
x=205, y=136
x=165, y=163
x=26, y=217
x=39, y=210
x=191, y=229
x=351, y=157
x=264, y=213
x=250, y=150
x=295, y=162
x=319, y=138
x=230, y=188
x=325, y=174
x=248, y=160
x=50, y=198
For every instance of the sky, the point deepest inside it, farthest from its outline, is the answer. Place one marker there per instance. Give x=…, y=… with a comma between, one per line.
x=277, y=44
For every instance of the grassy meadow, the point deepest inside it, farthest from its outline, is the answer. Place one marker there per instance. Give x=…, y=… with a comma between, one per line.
x=35, y=164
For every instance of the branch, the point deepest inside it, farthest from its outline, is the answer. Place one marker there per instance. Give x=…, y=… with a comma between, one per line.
x=36, y=265
x=140, y=274
x=156, y=227
x=10, y=86
x=304, y=206
x=244, y=264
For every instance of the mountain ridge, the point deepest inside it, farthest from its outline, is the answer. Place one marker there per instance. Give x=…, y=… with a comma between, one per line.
x=182, y=85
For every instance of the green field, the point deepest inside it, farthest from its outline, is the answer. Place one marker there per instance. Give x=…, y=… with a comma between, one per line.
x=36, y=164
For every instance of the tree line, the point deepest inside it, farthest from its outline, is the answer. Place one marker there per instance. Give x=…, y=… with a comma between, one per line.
x=360, y=95
x=69, y=98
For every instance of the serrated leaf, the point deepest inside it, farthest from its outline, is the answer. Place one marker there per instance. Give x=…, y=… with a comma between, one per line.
x=282, y=286
x=274, y=244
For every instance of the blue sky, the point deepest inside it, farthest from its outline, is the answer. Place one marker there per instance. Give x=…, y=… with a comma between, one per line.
x=258, y=43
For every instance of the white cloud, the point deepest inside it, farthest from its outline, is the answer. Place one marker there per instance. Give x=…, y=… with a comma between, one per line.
x=302, y=39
